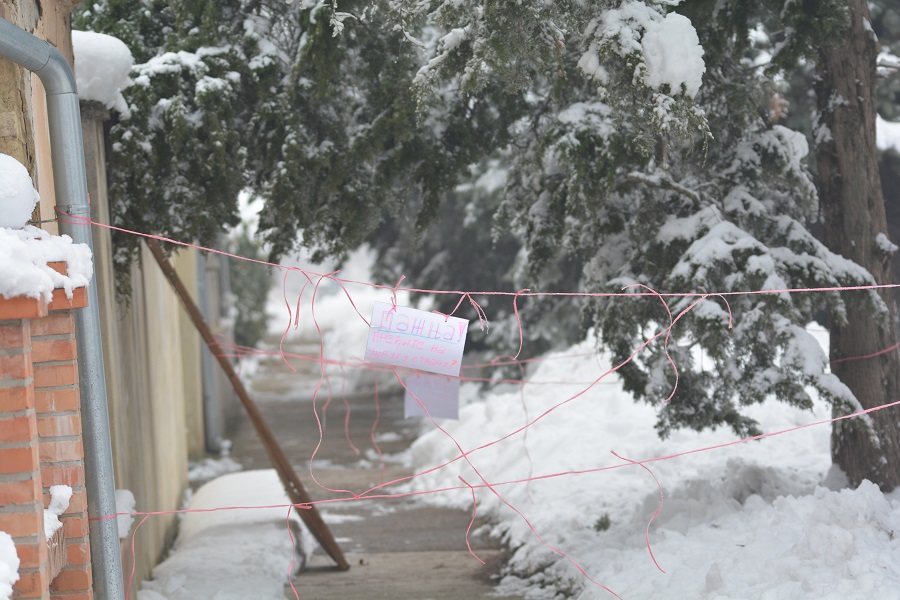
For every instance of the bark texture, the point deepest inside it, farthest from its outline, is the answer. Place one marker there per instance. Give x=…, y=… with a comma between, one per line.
x=854, y=214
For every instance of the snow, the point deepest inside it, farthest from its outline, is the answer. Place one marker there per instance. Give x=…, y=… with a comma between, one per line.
x=749, y=520
x=887, y=134
x=17, y=194
x=764, y=519
x=24, y=254
x=210, y=468
x=9, y=565
x=59, y=502
x=102, y=67
x=667, y=46
x=213, y=546
x=673, y=55
x=125, y=505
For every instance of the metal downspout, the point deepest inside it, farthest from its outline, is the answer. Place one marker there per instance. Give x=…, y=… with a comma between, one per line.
x=70, y=180
x=211, y=413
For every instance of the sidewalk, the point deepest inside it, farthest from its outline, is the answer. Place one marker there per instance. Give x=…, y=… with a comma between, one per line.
x=399, y=549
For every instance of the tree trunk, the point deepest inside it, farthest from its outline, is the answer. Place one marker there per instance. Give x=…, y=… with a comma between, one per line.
x=853, y=208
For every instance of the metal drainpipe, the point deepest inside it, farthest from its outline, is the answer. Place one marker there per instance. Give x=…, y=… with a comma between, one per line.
x=70, y=180
x=211, y=413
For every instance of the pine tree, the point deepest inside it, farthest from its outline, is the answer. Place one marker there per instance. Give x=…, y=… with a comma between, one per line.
x=375, y=121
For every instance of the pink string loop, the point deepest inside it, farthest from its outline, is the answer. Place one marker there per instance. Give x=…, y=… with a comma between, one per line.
x=658, y=509
x=394, y=293
x=519, y=321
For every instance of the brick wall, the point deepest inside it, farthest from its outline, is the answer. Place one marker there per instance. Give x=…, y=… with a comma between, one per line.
x=41, y=444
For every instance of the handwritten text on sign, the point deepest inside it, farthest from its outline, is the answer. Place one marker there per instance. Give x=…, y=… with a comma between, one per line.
x=407, y=337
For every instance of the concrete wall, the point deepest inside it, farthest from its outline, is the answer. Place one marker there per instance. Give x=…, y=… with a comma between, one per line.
x=151, y=352
x=152, y=359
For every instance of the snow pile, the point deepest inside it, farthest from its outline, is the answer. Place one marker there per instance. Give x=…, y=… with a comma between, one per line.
x=24, y=254
x=9, y=565
x=124, y=506
x=59, y=503
x=17, y=193
x=715, y=543
x=26, y=250
x=667, y=47
x=748, y=520
x=213, y=546
x=102, y=67
x=210, y=468
x=673, y=55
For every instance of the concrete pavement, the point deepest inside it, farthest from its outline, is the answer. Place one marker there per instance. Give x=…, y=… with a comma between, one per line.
x=399, y=549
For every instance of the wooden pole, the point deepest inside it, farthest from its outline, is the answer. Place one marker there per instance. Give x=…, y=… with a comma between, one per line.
x=286, y=473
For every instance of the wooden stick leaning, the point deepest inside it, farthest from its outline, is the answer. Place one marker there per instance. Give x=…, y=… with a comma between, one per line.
x=280, y=462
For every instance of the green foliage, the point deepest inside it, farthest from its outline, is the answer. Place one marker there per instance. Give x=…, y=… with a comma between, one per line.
x=603, y=523
x=250, y=285
x=388, y=133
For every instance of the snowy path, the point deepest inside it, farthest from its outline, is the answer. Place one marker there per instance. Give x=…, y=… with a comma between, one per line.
x=399, y=549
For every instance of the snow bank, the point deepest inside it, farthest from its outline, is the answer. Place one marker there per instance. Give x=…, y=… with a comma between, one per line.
x=102, y=67
x=9, y=565
x=749, y=520
x=213, y=546
x=24, y=254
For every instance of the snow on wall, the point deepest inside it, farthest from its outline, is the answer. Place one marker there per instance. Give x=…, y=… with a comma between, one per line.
x=102, y=67
x=9, y=565
x=59, y=503
x=17, y=193
x=26, y=250
x=24, y=254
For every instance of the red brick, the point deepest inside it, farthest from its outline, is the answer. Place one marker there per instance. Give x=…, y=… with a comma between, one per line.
x=15, y=366
x=70, y=475
x=60, y=266
x=50, y=350
x=56, y=400
x=72, y=580
x=14, y=335
x=89, y=595
x=16, y=398
x=78, y=553
x=18, y=429
x=60, y=301
x=19, y=460
x=67, y=451
x=78, y=502
x=23, y=524
x=20, y=492
x=32, y=556
x=59, y=425
x=31, y=585
x=22, y=307
x=75, y=527
x=48, y=375
x=54, y=324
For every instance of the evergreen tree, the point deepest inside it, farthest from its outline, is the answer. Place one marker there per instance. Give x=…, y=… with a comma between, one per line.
x=639, y=141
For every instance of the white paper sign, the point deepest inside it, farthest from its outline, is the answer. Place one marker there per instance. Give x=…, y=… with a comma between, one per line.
x=438, y=394
x=415, y=339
